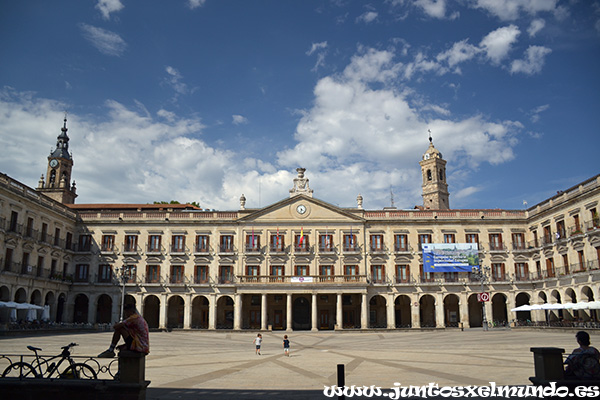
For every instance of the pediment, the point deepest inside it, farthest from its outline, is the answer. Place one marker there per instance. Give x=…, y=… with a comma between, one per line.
x=301, y=208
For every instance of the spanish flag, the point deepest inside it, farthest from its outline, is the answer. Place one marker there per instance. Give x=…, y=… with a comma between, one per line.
x=301, y=236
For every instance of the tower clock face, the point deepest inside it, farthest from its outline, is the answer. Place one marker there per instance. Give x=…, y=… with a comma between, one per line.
x=301, y=209
x=53, y=163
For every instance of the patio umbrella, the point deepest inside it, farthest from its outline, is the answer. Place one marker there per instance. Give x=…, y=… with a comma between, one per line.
x=46, y=313
x=553, y=306
x=524, y=307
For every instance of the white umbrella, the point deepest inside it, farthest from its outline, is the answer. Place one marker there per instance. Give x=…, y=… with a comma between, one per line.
x=553, y=306
x=524, y=307
x=594, y=305
x=46, y=313
x=31, y=315
x=13, y=315
x=569, y=305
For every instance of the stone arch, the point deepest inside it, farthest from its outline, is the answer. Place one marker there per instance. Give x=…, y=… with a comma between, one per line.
x=60, y=307
x=104, y=309
x=20, y=296
x=377, y=312
x=225, y=307
x=402, y=311
x=4, y=293
x=427, y=311
x=200, y=312
x=152, y=311
x=80, y=308
x=499, y=311
x=475, y=311
x=587, y=294
x=570, y=295
x=520, y=300
x=301, y=308
x=451, y=310
x=49, y=299
x=175, y=310
x=36, y=298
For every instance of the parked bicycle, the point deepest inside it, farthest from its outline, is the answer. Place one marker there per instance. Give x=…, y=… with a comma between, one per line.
x=61, y=366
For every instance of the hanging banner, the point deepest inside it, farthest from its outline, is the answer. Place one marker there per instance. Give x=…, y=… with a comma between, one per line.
x=302, y=279
x=450, y=257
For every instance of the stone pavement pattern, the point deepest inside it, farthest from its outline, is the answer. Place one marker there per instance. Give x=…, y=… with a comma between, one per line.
x=200, y=364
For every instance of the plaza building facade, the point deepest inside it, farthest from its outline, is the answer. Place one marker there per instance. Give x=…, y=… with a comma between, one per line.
x=298, y=264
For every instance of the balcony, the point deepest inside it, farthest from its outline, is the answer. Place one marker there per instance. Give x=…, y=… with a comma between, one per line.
x=252, y=249
x=226, y=250
x=326, y=249
x=201, y=250
x=378, y=280
x=302, y=280
x=497, y=247
x=276, y=249
x=129, y=249
x=377, y=249
x=399, y=249
x=108, y=249
x=351, y=249
x=178, y=250
x=302, y=249
x=154, y=250
x=404, y=280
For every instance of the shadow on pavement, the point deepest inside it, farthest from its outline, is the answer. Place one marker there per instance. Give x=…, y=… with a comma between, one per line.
x=189, y=394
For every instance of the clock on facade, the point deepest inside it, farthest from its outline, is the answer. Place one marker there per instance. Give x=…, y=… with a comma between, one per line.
x=301, y=209
x=53, y=163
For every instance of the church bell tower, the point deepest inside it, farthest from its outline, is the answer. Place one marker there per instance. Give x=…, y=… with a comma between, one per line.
x=57, y=184
x=435, y=189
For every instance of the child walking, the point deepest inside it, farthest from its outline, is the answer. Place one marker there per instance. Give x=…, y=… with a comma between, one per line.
x=257, y=341
x=286, y=345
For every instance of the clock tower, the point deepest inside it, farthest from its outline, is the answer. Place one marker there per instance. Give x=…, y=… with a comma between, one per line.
x=57, y=184
x=435, y=189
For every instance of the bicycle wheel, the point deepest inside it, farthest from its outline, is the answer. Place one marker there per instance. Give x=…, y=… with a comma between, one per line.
x=19, y=370
x=78, y=371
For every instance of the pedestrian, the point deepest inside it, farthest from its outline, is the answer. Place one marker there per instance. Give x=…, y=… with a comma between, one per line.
x=286, y=345
x=134, y=331
x=257, y=341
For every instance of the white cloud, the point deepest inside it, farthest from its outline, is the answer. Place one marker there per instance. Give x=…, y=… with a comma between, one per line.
x=533, y=61
x=106, y=42
x=433, y=8
x=535, y=113
x=497, y=44
x=367, y=17
x=174, y=80
x=536, y=26
x=316, y=46
x=321, y=50
x=509, y=10
x=460, y=52
x=239, y=120
x=195, y=3
x=107, y=7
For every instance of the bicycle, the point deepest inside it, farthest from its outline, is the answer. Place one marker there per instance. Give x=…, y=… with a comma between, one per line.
x=49, y=367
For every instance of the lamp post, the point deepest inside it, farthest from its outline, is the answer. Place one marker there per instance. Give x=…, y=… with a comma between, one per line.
x=125, y=273
x=482, y=274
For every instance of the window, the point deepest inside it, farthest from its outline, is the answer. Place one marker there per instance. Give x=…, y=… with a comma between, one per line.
x=29, y=230
x=378, y=273
x=225, y=275
x=69, y=241
x=425, y=276
x=25, y=267
x=518, y=240
x=547, y=234
x=202, y=244
x=498, y=272
x=326, y=242
x=85, y=243
x=81, y=272
x=276, y=273
x=301, y=270
x=496, y=241
x=351, y=272
x=53, y=271
x=521, y=271
x=104, y=273
x=402, y=273
x=8, y=259
x=108, y=242
x=226, y=243
x=566, y=263
x=550, y=268
x=326, y=272
x=451, y=276
x=14, y=217
x=40, y=265
x=130, y=243
x=277, y=242
x=449, y=238
x=424, y=238
x=252, y=242
x=577, y=225
x=376, y=242
x=177, y=274
x=57, y=236
x=152, y=273
x=154, y=243
x=201, y=274
x=401, y=242
x=472, y=238
x=535, y=239
x=301, y=242
x=252, y=273
x=560, y=230
x=44, y=234
x=178, y=245
x=350, y=243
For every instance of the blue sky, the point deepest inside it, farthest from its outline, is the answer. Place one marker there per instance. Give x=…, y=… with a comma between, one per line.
x=205, y=100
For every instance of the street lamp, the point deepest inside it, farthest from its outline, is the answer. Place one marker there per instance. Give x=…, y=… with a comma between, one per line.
x=482, y=275
x=125, y=273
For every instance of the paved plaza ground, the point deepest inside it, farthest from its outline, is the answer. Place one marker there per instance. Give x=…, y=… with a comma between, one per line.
x=201, y=364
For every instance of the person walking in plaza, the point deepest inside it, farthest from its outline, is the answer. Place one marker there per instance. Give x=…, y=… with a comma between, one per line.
x=257, y=341
x=134, y=331
x=286, y=345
